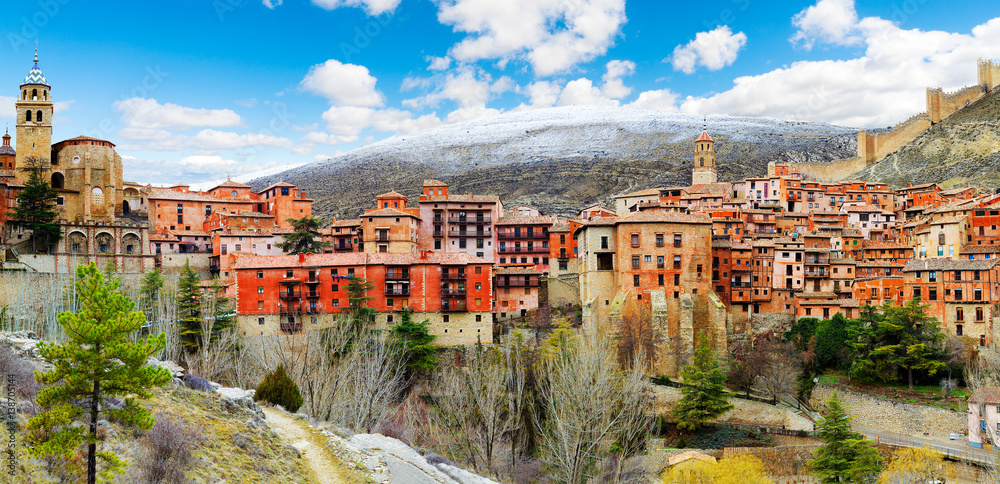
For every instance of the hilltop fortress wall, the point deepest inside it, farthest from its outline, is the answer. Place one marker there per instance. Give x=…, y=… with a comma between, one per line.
x=875, y=147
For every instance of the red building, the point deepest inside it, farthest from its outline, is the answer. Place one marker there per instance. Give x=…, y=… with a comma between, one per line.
x=306, y=292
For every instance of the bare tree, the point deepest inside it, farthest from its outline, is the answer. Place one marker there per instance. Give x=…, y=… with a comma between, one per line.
x=638, y=334
x=589, y=404
x=370, y=381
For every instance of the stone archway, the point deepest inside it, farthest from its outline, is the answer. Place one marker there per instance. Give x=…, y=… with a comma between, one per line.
x=76, y=243
x=131, y=244
x=105, y=243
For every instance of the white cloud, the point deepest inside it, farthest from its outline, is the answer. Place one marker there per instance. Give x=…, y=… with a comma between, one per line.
x=613, y=85
x=373, y=7
x=583, y=91
x=884, y=86
x=829, y=21
x=345, y=123
x=543, y=94
x=148, y=113
x=211, y=139
x=272, y=3
x=343, y=84
x=466, y=87
x=247, y=103
x=439, y=63
x=552, y=35
x=660, y=100
x=205, y=164
x=714, y=50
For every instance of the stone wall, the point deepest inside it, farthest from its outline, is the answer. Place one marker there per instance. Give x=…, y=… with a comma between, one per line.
x=174, y=263
x=940, y=104
x=893, y=416
x=989, y=74
x=563, y=290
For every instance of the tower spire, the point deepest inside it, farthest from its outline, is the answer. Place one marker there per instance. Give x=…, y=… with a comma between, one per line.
x=36, y=51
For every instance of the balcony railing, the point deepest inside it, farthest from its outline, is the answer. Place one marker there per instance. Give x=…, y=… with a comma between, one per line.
x=397, y=291
x=472, y=233
x=452, y=276
x=290, y=310
x=517, y=283
x=469, y=220
x=397, y=275
x=292, y=327
x=344, y=246
x=453, y=306
x=523, y=235
x=290, y=294
x=817, y=273
x=312, y=294
x=381, y=237
x=524, y=250
x=452, y=291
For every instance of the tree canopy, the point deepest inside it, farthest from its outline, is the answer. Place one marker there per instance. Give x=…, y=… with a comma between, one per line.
x=36, y=209
x=98, y=360
x=704, y=396
x=845, y=455
x=305, y=238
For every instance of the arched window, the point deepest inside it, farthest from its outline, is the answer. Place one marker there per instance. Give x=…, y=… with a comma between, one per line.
x=38, y=116
x=45, y=95
x=58, y=181
x=24, y=95
x=27, y=115
x=97, y=196
x=234, y=193
x=34, y=94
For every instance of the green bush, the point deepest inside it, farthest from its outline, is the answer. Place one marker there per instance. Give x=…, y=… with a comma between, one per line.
x=279, y=389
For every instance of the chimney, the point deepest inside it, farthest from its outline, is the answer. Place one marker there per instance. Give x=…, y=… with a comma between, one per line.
x=302, y=258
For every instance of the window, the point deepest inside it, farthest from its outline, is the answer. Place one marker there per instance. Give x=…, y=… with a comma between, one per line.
x=677, y=240
x=635, y=280
x=916, y=292
x=659, y=240
x=604, y=242
x=659, y=279
x=659, y=262
x=478, y=270
x=260, y=289
x=677, y=262
x=932, y=294
x=335, y=303
x=958, y=330
x=605, y=262
x=958, y=294
x=260, y=320
x=932, y=276
x=635, y=240
x=979, y=315
x=959, y=314
x=334, y=287
x=635, y=262
x=977, y=294
x=445, y=318
x=677, y=279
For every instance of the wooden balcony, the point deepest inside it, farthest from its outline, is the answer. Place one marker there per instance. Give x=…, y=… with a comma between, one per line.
x=290, y=327
x=453, y=306
x=452, y=276
x=290, y=294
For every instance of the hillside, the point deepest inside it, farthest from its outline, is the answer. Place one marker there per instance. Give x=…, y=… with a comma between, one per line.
x=560, y=159
x=962, y=149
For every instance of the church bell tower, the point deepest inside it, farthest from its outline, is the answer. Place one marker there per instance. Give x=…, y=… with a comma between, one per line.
x=34, y=121
x=703, y=171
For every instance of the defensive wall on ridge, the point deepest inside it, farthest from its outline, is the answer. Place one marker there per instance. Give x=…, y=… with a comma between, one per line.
x=875, y=147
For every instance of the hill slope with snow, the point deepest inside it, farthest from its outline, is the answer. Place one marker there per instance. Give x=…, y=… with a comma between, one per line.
x=560, y=159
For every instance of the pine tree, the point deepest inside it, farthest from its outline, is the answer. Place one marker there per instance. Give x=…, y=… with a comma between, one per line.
x=278, y=388
x=306, y=237
x=416, y=339
x=704, y=396
x=903, y=338
x=98, y=361
x=845, y=456
x=36, y=208
x=189, y=307
x=357, y=293
x=152, y=283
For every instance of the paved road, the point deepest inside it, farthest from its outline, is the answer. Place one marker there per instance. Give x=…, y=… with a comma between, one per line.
x=957, y=449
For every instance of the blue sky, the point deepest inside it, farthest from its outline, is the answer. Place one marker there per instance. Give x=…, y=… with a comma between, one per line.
x=193, y=90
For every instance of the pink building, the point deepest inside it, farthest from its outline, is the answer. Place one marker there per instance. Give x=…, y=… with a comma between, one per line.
x=984, y=417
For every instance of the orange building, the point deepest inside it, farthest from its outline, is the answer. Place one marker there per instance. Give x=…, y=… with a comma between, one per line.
x=516, y=292
x=344, y=236
x=307, y=292
x=179, y=208
x=525, y=241
x=961, y=294
x=284, y=201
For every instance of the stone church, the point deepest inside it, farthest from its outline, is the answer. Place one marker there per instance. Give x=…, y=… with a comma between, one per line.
x=97, y=221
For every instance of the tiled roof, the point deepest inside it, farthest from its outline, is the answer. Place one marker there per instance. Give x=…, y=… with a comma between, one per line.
x=704, y=137
x=980, y=249
x=462, y=199
x=168, y=194
x=244, y=233
x=864, y=208
x=388, y=212
x=434, y=183
x=879, y=263
x=842, y=261
x=354, y=222
x=390, y=194
x=949, y=220
x=986, y=395
x=641, y=193
x=231, y=184
x=158, y=237
x=942, y=264
x=277, y=185
x=722, y=243
x=246, y=214
x=190, y=233
x=528, y=220
x=358, y=259
x=559, y=227
x=917, y=187
x=954, y=191
x=762, y=243
x=666, y=217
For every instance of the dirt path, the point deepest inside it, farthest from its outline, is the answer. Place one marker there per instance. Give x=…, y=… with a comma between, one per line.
x=324, y=466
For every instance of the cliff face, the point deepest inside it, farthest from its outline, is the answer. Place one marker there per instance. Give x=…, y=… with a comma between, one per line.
x=962, y=149
x=560, y=159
